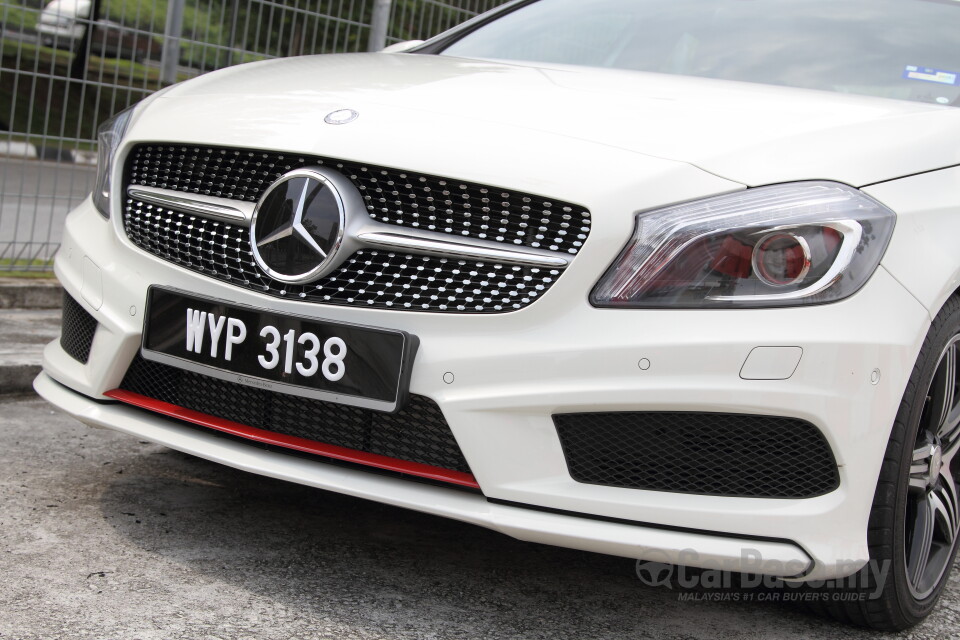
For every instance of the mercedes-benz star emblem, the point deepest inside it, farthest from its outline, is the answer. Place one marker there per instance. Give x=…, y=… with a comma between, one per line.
x=297, y=226
x=341, y=116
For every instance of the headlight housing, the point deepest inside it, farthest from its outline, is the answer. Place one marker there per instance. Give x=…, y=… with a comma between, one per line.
x=785, y=245
x=109, y=136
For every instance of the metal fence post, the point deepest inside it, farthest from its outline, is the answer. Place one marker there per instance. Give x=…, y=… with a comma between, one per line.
x=232, y=43
x=78, y=69
x=171, y=42
x=378, y=25
x=56, y=102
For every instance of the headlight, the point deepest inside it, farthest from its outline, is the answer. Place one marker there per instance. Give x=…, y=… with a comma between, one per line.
x=786, y=245
x=109, y=136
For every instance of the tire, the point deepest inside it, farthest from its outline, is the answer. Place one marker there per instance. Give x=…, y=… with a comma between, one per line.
x=915, y=514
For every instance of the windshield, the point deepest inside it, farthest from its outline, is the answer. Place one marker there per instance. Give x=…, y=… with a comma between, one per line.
x=905, y=49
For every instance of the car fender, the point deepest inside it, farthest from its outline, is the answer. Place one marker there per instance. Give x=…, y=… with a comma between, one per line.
x=923, y=254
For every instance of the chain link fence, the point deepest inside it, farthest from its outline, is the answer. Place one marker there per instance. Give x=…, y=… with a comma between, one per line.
x=68, y=65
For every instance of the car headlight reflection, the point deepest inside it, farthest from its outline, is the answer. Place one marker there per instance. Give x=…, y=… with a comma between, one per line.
x=785, y=245
x=109, y=136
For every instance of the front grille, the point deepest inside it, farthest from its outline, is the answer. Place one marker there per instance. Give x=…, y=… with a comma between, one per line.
x=393, y=196
x=77, y=329
x=417, y=433
x=714, y=454
x=370, y=278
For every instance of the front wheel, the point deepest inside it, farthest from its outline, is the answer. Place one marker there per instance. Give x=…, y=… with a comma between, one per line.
x=914, y=522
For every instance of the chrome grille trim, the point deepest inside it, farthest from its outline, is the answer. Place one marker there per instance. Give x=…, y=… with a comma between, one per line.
x=235, y=211
x=370, y=278
x=372, y=234
x=442, y=247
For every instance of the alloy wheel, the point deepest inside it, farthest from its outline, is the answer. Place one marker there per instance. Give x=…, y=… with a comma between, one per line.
x=933, y=507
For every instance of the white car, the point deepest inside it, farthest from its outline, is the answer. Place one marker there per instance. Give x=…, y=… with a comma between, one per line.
x=675, y=280
x=62, y=23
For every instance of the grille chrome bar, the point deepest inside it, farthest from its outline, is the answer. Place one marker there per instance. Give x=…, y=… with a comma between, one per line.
x=396, y=197
x=373, y=234
x=236, y=211
x=462, y=250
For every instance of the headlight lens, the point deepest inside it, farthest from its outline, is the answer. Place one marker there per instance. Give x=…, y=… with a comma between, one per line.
x=786, y=245
x=109, y=136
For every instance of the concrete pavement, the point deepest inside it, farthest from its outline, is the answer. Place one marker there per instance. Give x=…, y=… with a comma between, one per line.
x=24, y=333
x=29, y=319
x=30, y=293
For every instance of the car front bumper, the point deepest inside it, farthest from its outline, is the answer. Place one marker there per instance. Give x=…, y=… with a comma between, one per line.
x=499, y=379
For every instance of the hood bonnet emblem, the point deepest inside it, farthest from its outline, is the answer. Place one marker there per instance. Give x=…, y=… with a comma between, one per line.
x=341, y=116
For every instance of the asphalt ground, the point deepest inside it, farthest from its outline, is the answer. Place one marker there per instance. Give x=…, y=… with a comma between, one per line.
x=23, y=334
x=105, y=536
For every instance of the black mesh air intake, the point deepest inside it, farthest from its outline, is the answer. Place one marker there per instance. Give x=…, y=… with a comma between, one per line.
x=716, y=454
x=77, y=329
x=417, y=433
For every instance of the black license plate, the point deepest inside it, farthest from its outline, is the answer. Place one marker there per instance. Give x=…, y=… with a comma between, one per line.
x=343, y=363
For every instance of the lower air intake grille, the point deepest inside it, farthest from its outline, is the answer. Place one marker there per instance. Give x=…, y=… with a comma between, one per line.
x=713, y=454
x=418, y=433
x=77, y=329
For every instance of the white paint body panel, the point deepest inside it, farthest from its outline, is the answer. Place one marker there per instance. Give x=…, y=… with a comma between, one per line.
x=656, y=142
x=771, y=363
x=923, y=254
x=749, y=133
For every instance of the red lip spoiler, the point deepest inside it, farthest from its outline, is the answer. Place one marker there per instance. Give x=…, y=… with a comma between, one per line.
x=292, y=442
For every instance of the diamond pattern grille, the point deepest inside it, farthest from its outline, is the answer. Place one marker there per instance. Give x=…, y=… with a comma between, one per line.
x=371, y=278
x=403, y=198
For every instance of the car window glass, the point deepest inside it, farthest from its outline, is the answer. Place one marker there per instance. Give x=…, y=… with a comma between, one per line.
x=905, y=49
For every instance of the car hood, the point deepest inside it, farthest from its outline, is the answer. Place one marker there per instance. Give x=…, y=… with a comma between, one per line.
x=748, y=133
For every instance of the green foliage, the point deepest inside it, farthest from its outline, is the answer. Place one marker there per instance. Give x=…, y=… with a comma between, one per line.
x=19, y=16
x=215, y=34
x=24, y=268
x=53, y=109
